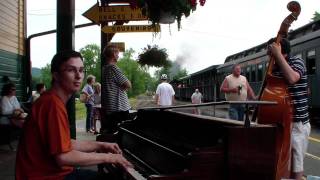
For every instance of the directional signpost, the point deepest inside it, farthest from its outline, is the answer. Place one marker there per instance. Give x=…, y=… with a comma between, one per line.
x=118, y=14
x=101, y=14
x=104, y=14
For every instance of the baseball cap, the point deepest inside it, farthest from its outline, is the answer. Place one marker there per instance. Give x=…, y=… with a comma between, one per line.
x=164, y=77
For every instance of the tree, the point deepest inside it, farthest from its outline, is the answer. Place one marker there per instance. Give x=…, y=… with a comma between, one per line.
x=46, y=76
x=35, y=80
x=316, y=16
x=92, y=60
x=139, y=77
x=174, y=71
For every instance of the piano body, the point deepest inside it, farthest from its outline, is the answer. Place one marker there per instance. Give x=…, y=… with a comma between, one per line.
x=164, y=144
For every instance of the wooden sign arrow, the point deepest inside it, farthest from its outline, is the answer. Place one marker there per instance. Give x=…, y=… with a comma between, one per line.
x=100, y=14
x=131, y=28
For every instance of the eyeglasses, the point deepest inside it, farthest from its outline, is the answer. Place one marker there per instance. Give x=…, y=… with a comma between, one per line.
x=74, y=70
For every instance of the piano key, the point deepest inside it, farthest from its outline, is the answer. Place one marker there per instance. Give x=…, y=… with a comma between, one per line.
x=135, y=174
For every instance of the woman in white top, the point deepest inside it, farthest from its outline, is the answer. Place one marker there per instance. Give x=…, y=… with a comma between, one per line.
x=97, y=105
x=10, y=106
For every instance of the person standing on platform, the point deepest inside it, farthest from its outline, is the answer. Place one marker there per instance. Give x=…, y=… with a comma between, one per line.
x=40, y=87
x=46, y=150
x=293, y=70
x=196, y=98
x=89, y=92
x=164, y=93
x=97, y=106
x=236, y=88
x=115, y=101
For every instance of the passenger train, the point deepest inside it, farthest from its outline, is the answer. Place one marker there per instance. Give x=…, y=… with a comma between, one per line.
x=305, y=43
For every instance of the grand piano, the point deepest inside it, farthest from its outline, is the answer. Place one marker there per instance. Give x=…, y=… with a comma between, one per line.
x=163, y=144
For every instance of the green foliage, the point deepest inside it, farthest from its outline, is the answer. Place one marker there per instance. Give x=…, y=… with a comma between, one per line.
x=80, y=110
x=153, y=56
x=133, y=103
x=316, y=16
x=46, y=76
x=36, y=72
x=151, y=83
x=35, y=80
x=92, y=60
x=139, y=77
x=174, y=71
x=180, y=73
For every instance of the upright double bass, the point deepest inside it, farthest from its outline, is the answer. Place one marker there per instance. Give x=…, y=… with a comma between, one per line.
x=276, y=89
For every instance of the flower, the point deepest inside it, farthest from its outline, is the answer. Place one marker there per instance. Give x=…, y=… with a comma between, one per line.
x=153, y=56
x=155, y=9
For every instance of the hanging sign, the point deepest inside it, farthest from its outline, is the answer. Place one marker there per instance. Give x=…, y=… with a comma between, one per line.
x=102, y=14
x=130, y=28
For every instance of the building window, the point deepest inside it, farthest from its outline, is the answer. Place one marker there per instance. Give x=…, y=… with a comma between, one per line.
x=311, y=62
x=299, y=55
x=260, y=72
x=253, y=74
x=248, y=73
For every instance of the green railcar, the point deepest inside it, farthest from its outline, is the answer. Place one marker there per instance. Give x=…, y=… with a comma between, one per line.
x=305, y=43
x=13, y=62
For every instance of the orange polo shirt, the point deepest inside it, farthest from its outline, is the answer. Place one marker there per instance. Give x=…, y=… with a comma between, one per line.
x=46, y=134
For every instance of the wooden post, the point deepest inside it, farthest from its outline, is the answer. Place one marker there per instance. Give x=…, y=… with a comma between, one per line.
x=65, y=41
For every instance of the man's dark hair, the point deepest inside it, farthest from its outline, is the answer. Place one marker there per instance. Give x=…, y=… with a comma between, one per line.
x=39, y=86
x=7, y=88
x=62, y=57
x=285, y=45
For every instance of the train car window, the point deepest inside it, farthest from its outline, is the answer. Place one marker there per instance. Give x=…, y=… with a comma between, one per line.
x=311, y=62
x=253, y=73
x=248, y=73
x=260, y=73
x=299, y=55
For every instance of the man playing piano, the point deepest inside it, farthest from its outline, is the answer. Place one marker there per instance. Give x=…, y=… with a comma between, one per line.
x=46, y=150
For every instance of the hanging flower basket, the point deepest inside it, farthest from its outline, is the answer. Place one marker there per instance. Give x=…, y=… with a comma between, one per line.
x=175, y=9
x=166, y=18
x=153, y=56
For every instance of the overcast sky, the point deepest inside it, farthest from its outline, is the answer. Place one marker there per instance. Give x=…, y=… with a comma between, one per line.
x=210, y=34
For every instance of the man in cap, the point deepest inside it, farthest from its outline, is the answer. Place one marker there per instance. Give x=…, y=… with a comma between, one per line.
x=165, y=92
